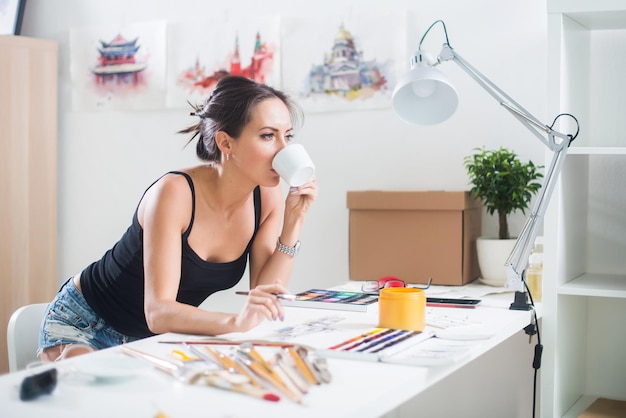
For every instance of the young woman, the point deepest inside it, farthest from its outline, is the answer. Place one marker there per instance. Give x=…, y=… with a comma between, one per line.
x=192, y=233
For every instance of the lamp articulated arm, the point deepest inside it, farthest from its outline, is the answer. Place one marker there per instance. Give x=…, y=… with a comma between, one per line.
x=424, y=96
x=556, y=141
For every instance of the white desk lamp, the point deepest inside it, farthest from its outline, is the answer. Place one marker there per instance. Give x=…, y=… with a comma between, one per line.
x=424, y=96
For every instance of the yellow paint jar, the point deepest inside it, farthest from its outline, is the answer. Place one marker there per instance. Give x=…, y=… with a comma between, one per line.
x=402, y=308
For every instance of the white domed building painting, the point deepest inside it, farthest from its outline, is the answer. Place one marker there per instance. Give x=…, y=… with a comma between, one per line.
x=345, y=72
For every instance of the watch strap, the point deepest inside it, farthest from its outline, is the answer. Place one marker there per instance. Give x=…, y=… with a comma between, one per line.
x=285, y=249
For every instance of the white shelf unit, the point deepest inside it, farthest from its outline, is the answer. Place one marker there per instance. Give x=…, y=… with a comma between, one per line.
x=584, y=299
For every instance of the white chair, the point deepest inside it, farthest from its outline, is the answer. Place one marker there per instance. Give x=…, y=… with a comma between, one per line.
x=23, y=335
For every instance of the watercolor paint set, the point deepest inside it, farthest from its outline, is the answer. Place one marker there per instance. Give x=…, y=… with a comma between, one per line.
x=333, y=299
x=378, y=344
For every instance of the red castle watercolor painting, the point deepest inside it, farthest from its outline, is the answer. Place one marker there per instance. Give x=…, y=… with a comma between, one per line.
x=197, y=78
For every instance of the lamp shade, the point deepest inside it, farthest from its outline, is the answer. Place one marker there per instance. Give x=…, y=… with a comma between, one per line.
x=424, y=96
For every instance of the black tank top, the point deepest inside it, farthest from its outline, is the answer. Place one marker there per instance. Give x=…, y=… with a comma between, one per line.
x=114, y=285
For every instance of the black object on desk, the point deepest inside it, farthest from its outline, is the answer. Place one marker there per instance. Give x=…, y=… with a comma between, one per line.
x=38, y=384
x=452, y=302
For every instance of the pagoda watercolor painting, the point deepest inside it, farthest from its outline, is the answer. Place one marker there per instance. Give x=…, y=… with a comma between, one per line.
x=244, y=46
x=118, y=66
x=347, y=65
x=117, y=62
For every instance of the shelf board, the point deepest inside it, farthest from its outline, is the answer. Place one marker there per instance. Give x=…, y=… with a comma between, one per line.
x=580, y=406
x=597, y=150
x=601, y=20
x=586, y=406
x=603, y=285
x=594, y=15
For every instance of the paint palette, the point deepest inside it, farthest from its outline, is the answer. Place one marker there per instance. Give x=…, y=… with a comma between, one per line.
x=112, y=368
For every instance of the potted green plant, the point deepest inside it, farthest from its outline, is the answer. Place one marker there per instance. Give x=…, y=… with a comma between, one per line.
x=504, y=184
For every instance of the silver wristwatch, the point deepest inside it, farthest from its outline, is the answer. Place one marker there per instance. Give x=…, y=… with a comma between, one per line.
x=292, y=251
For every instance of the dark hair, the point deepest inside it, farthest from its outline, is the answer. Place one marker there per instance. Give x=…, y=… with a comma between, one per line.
x=229, y=109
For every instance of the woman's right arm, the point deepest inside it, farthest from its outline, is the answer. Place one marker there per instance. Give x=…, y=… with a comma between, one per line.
x=164, y=214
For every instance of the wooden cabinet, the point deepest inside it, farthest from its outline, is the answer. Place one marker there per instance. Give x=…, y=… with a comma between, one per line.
x=584, y=299
x=28, y=173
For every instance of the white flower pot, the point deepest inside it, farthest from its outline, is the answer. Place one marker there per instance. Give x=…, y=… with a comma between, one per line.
x=492, y=254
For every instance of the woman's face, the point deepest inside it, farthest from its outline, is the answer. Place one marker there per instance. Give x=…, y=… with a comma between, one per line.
x=268, y=132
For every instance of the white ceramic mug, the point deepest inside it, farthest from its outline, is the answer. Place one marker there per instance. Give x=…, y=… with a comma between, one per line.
x=294, y=165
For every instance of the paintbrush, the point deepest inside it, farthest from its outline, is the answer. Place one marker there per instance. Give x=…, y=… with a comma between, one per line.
x=165, y=366
x=241, y=386
x=232, y=366
x=301, y=366
x=259, y=343
x=290, y=373
x=282, y=296
x=269, y=376
x=178, y=372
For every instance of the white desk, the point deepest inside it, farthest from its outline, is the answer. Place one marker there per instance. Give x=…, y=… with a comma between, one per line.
x=494, y=381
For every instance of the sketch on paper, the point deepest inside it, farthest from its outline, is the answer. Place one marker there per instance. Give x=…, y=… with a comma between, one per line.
x=199, y=56
x=118, y=67
x=346, y=65
x=324, y=324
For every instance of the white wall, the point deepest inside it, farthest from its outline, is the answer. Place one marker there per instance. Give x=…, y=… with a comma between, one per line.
x=106, y=159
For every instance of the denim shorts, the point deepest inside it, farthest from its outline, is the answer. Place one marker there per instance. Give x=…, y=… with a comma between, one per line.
x=70, y=320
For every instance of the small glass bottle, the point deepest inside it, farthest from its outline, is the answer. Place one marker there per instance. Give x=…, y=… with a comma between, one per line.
x=534, y=271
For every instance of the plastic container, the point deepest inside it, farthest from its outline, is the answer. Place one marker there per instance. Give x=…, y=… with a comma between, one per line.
x=402, y=308
x=534, y=271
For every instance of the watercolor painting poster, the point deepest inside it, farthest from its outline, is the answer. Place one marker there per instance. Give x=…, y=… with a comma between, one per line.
x=202, y=53
x=339, y=63
x=11, y=14
x=118, y=67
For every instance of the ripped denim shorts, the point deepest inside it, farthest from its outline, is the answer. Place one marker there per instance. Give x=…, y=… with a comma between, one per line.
x=70, y=320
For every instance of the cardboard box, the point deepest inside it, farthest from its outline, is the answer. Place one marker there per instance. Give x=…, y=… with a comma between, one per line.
x=414, y=235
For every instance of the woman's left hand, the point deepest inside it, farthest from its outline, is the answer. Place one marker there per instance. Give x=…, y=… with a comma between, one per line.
x=300, y=199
